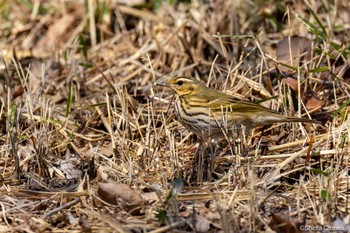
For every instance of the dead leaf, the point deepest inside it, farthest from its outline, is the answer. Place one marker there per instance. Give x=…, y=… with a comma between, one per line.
x=341, y=71
x=293, y=51
x=186, y=213
x=121, y=194
x=309, y=98
x=292, y=83
x=85, y=225
x=105, y=150
x=272, y=139
x=65, y=218
x=69, y=169
x=56, y=34
x=311, y=142
x=150, y=197
x=202, y=224
x=209, y=214
x=18, y=92
x=38, y=225
x=283, y=224
x=3, y=162
x=344, y=15
x=312, y=101
x=102, y=173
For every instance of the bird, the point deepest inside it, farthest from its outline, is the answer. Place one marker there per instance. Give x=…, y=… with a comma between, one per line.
x=211, y=113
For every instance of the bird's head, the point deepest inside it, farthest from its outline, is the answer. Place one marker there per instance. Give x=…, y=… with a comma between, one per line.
x=183, y=85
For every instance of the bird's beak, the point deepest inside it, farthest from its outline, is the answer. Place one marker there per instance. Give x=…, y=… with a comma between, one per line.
x=162, y=83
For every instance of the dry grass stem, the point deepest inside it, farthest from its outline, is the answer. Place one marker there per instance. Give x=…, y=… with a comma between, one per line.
x=79, y=107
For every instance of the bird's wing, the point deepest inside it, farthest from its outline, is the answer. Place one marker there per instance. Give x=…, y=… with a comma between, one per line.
x=224, y=101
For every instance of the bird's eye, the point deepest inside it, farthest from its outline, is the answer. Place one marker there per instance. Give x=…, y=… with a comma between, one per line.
x=180, y=83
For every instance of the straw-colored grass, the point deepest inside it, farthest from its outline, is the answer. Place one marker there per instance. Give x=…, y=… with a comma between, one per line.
x=79, y=107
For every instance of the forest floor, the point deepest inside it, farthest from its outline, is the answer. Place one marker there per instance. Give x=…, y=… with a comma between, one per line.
x=89, y=143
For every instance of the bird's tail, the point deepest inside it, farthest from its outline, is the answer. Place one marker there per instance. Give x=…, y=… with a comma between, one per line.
x=297, y=119
x=276, y=118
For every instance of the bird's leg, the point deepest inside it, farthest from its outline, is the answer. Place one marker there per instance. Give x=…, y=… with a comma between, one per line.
x=231, y=141
x=209, y=161
x=243, y=131
x=238, y=140
x=204, y=160
x=263, y=144
x=262, y=131
x=260, y=143
x=196, y=175
x=199, y=162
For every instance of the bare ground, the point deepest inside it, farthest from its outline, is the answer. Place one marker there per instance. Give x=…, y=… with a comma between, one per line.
x=89, y=143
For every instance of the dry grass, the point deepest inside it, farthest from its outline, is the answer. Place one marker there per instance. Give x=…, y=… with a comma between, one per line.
x=79, y=107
